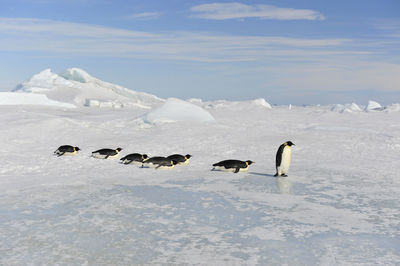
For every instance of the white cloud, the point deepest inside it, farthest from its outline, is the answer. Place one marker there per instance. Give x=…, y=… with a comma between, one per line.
x=145, y=16
x=298, y=63
x=222, y=11
x=21, y=34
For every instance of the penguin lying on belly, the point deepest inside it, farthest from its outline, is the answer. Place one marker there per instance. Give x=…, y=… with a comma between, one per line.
x=66, y=150
x=180, y=159
x=136, y=158
x=159, y=163
x=232, y=166
x=283, y=157
x=106, y=153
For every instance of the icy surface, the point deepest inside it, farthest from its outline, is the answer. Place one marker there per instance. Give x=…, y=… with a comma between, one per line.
x=174, y=110
x=77, y=87
x=14, y=98
x=373, y=106
x=346, y=108
x=339, y=206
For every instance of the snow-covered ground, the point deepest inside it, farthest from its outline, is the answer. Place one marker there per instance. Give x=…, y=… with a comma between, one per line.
x=339, y=206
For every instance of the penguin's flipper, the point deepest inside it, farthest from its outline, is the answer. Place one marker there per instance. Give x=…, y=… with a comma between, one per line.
x=126, y=161
x=276, y=174
x=237, y=170
x=60, y=154
x=284, y=175
x=158, y=166
x=106, y=156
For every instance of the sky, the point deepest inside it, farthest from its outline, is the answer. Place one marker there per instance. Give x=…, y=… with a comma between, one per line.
x=287, y=51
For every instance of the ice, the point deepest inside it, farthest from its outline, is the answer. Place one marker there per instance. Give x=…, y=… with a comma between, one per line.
x=174, y=110
x=14, y=98
x=373, y=106
x=346, y=108
x=262, y=102
x=338, y=206
x=75, y=86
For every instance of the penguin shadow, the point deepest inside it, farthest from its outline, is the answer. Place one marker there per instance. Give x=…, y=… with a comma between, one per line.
x=261, y=174
x=283, y=183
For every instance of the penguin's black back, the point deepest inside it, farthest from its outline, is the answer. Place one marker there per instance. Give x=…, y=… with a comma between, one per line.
x=231, y=164
x=106, y=152
x=279, y=155
x=157, y=160
x=177, y=157
x=66, y=148
x=133, y=157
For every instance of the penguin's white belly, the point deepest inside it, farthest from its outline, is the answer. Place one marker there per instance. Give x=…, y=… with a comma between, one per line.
x=67, y=153
x=131, y=162
x=149, y=165
x=71, y=153
x=285, y=162
x=166, y=167
x=103, y=156
x=223, y=169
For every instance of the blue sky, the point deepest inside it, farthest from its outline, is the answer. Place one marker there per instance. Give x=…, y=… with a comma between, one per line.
x=287, y=51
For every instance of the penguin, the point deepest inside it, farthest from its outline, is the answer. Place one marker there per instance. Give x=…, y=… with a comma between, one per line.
x=232, y=166
x=66, y=150
x=159, y=163
x=183, y=160
x=106, y=153
x=136, y=158
x=283, y=156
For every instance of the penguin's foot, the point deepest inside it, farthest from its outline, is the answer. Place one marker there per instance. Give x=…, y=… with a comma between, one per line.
x=284, y=175
x=276, y=174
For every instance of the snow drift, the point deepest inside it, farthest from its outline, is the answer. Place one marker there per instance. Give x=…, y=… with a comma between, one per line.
x=75, y=86
x=174, y=110
x=11, y=98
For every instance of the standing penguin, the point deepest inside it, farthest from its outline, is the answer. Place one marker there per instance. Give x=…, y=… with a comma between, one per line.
x=283, y=156
x=106, y=153
x=66, y=150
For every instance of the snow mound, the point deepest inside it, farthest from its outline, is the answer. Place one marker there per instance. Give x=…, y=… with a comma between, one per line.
x=77, y=87
x=373, y=106
x=77, y=74
x=262, y=102
x=176, y=110
x=346, y=108
x=393, y=108
x=14, y=98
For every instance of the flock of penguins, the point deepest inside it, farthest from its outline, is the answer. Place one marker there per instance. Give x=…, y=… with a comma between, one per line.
x=282, y=163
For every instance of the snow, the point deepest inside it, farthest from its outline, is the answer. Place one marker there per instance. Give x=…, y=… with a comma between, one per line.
x=262, y=102
x=12, y=98
x=338, y=206
x=174, y=110
x=346, y=108
x=373, y=106
x=75, y=86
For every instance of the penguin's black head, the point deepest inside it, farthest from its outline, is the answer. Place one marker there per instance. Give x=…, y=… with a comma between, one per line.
x=289, y=143
x=187, y=156
x=249, y=162
x=144, y=156
x=119, y=149
x=77, y=149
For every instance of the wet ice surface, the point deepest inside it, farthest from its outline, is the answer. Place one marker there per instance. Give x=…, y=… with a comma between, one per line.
x=339, y=205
